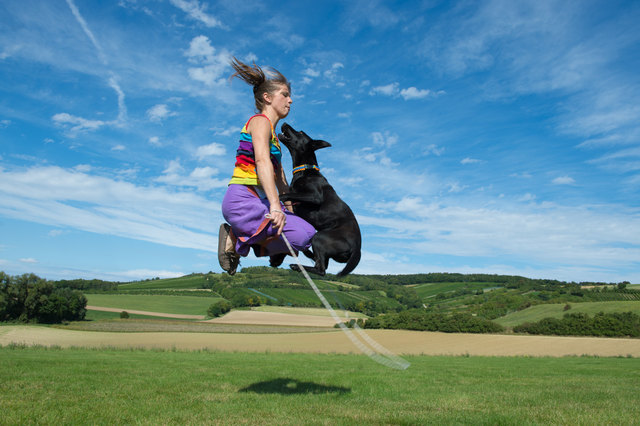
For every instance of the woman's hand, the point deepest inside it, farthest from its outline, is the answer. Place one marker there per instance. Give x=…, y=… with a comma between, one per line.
x=278, y=218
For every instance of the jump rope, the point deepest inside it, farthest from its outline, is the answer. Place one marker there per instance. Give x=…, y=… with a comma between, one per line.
x=362, y=341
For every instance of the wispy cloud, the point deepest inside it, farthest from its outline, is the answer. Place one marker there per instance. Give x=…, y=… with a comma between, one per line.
x=82, y=124
x=536, y=233
x=564, y=180
x=198, y=12
x=159, y=112
x=553, y=48
x=202, y=178
x=410, y=93
x=76, y=200
x=87, y=31
x=211, y=150
x=75, y=124
x=468, y=160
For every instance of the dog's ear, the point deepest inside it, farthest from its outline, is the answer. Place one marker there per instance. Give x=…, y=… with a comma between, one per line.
x=318, y=144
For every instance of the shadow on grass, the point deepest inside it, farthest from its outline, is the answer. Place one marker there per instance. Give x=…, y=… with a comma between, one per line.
x=287, y=386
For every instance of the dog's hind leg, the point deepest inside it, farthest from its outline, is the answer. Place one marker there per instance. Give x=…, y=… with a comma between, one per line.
x=320, y=266
x=320, y=257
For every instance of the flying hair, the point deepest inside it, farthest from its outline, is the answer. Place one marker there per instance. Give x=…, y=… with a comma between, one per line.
x=261, y=82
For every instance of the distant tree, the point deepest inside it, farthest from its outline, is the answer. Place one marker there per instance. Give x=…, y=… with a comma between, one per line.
x=219, y=308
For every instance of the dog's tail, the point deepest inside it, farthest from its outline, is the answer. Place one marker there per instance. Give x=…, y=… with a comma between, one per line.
x=351, y=263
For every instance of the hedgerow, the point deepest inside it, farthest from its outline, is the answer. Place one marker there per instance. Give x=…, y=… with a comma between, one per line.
x=418, y=319
x=615, y=324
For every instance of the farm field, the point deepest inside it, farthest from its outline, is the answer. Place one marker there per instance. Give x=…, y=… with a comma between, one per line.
x=329, y=341
x=556, y=310
x=186, y=305
x=322, y=312
x=80, y=386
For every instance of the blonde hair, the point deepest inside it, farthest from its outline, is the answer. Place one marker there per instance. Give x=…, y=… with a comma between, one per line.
x=261, y=82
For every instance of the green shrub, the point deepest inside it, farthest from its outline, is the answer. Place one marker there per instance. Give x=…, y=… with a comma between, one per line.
x=124, y=314
x=219, y=308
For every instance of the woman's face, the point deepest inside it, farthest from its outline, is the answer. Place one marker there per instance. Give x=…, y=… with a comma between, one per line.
x=281, y=100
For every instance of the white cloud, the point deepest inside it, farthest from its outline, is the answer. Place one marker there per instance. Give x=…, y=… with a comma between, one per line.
x=388, y=90
x=579, y=236
x=469, y=161
x=197, y=11
x=75, y=200
x=87, y=31
x=213, y=149
x=233, y=130
x=155, y=141
x=523, y=175
x=118, y=147
x=4, y=123
x=28, y=260
x=159, y=112
x=564, y=180
x=332, y=73
x=77, y=124
x=385, y=139
x=310, y=72
x=201, y=178
x=433, y=149
x=200, y=48
x=413, y=93
x=112, y=80
x=393, y=89
x=213, y=66
x=527, y=197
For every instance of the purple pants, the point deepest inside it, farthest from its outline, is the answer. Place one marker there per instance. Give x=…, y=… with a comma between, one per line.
x=245, y=211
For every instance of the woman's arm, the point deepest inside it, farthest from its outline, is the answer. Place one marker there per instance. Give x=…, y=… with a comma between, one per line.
x=260, y=130
x=283, y=187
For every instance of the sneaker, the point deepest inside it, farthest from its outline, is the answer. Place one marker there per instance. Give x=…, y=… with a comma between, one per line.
x=227, y=256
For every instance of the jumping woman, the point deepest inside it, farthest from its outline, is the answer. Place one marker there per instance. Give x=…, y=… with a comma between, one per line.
x=251, y=206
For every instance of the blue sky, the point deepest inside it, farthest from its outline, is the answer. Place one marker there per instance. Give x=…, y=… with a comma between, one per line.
x=482, y=136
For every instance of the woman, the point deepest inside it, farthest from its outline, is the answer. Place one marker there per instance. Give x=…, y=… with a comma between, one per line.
x=252, y=208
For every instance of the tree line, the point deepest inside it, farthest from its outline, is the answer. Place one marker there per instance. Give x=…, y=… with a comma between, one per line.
x=29, y=298
x=419, y=319
x=615, y=324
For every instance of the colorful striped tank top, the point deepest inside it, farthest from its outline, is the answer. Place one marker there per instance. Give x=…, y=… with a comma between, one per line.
x=245, y=170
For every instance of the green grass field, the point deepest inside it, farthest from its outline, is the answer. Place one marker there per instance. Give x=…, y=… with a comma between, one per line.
x=186, y=282
x=82, y=386
x=556, y=310
x=188, y=305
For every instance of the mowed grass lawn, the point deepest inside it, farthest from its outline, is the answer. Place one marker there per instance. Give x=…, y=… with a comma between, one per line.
x=187, y=305
x=84, y=386
x=556, y=310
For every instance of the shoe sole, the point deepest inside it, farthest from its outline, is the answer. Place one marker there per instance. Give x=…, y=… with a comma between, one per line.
x=223, y=259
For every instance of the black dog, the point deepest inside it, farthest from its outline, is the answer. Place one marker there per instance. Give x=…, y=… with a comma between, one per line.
x=315, y=201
